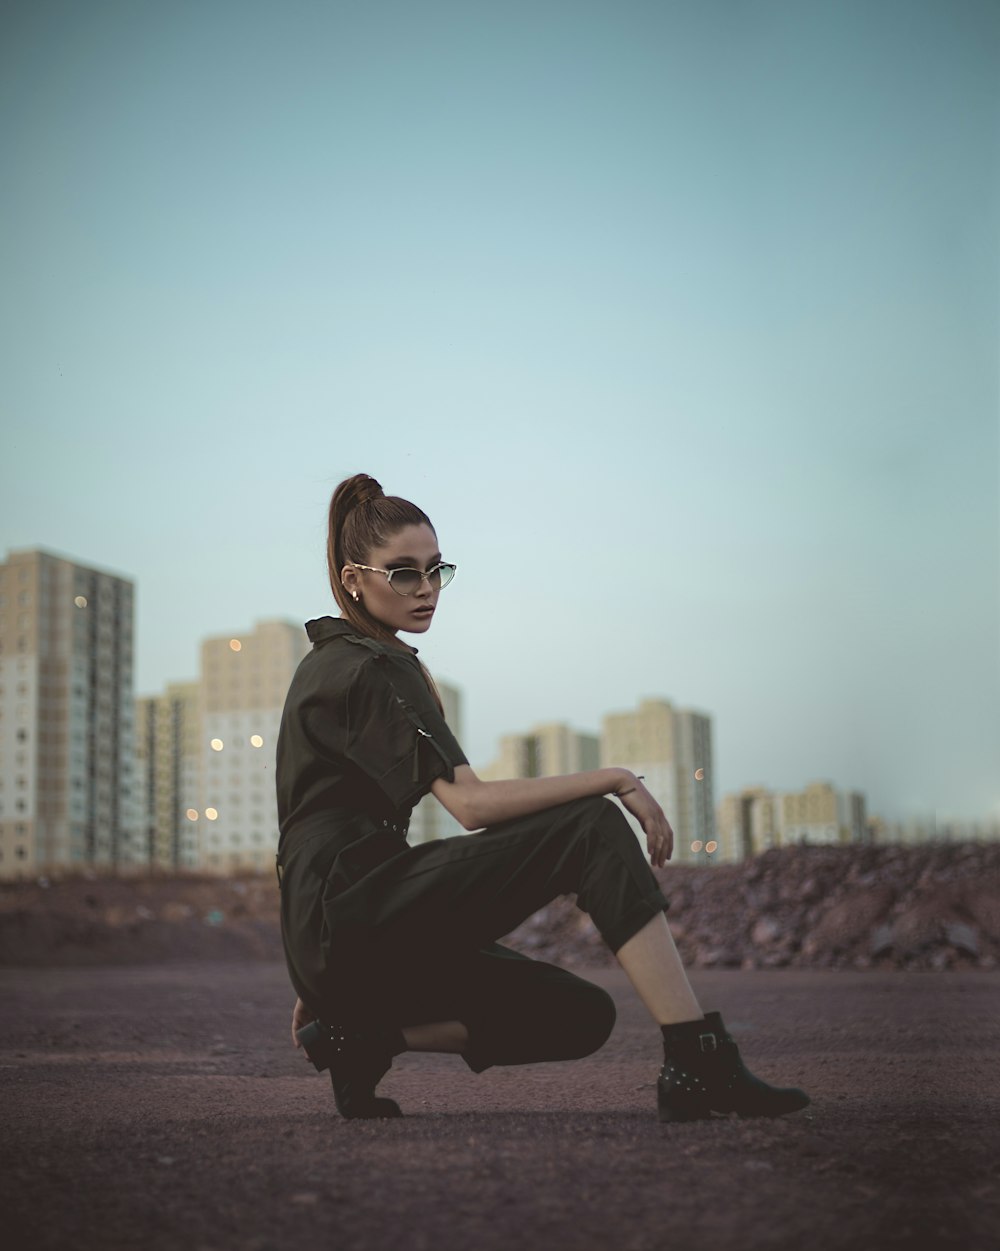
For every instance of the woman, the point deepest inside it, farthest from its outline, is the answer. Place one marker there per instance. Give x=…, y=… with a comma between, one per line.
x=393, y=948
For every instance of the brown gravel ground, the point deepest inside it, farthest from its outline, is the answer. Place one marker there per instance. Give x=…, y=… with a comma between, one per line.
x=163, y=1107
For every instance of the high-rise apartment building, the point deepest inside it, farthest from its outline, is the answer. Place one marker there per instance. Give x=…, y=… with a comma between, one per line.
x=168, y=768
x=429, y=818
x=747, y=822
x=821, y=814
x=544, y=751
x=672, y=749
x=933, y=829
x=244, y=680
x=757, y=819
x=66, y=716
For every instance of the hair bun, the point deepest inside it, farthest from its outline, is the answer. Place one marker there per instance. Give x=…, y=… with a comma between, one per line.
x=364, y=489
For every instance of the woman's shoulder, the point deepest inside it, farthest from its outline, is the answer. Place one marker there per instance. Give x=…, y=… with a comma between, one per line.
x=344, y=656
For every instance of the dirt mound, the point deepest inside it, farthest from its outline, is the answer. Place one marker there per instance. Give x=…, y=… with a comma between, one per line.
x=138, y=920
x=933, y=907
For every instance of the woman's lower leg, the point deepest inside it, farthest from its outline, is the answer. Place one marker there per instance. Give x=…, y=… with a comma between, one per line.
x=702, y=1070
x=653, y=965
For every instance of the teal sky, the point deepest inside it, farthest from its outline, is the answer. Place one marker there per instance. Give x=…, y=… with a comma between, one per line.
x=681, y=321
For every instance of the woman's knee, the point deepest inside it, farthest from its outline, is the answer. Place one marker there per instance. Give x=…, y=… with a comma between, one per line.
x=611, y=826
x=588, y=1021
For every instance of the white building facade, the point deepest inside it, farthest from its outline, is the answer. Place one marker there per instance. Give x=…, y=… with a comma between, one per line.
x=244, y=680
x=672, y=750
x=66, y=716
x=168, y=774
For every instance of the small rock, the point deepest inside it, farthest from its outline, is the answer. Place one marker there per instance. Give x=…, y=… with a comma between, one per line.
x=962, y=936
x=881, y=941
x=766, y=930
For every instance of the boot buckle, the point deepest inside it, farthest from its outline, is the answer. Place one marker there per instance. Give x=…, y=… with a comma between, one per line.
x=708, y=1042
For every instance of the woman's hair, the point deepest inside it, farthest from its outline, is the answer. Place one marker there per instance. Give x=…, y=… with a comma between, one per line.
x=363, y=517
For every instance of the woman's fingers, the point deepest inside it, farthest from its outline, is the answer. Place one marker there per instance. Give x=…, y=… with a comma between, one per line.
x=658, y=843
x=656, y=827
x=300, y=1016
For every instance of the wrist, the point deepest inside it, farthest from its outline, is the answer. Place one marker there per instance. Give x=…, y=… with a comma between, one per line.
x=623, y=780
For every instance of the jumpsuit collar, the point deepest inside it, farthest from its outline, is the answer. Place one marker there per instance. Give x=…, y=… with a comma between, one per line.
x=319, y=629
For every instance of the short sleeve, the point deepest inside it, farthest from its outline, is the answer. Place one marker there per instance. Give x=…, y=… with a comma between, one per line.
x=396, y=734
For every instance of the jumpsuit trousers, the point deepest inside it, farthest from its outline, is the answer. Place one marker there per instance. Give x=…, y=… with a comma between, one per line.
x=413, y=939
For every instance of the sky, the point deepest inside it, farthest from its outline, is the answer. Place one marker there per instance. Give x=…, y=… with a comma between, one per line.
x=680, y=320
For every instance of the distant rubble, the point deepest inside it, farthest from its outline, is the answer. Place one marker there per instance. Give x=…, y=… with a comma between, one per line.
x=928, y=907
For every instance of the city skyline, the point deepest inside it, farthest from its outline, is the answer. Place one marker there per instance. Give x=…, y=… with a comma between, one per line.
x=91, y=774
x=679, y=321
x=484, y=762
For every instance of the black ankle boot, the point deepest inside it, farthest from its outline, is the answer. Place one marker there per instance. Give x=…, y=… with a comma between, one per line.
x=703, y=1073
x=357, y=1060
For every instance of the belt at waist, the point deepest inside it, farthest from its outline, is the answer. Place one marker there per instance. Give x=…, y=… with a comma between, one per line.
x=338, y=826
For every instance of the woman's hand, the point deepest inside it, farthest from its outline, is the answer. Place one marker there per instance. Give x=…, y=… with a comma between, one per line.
x=656, y=827
x=300, y=1016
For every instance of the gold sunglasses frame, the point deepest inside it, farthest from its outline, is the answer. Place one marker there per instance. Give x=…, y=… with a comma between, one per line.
x=442, y=564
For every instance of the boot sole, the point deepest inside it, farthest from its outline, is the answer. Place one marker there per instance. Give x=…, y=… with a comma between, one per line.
x=378, y=1110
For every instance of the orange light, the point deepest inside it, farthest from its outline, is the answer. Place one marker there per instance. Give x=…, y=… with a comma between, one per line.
x=699, y=775
x=212, y=814
x=696, y=845
x=711, y=847
x=192, y=814
x=236, y=645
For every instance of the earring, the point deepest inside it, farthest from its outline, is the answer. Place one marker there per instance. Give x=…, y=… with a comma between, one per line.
x=355, y=594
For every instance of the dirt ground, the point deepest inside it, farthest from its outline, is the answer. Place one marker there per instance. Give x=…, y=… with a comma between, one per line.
x=163, y=1107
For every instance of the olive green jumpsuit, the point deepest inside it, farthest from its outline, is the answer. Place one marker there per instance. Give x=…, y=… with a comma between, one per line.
x=378, y=931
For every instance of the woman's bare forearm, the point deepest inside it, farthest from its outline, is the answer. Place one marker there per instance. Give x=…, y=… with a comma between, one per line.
x=477, y=804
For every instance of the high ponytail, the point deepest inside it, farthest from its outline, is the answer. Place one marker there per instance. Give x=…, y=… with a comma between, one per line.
x=363, y=517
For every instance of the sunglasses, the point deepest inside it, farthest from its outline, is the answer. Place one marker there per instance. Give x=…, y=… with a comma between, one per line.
x=407, y=581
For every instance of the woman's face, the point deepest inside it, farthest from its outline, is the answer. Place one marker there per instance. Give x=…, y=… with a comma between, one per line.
x=414, y=547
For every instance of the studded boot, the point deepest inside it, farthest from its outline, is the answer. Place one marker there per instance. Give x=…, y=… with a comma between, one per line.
x=703, y=1073
x=357, y=1060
